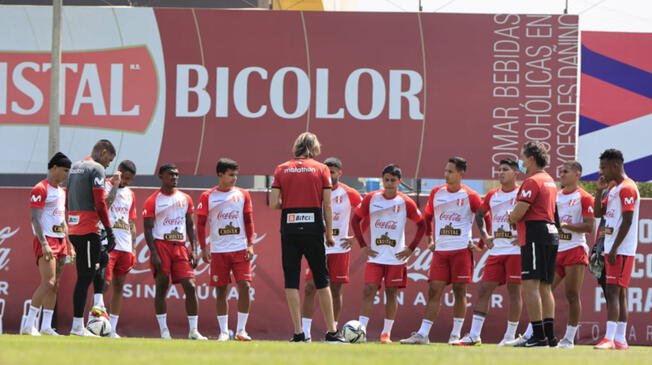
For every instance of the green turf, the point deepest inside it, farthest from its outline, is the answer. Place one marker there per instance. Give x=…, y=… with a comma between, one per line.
x=91, y=351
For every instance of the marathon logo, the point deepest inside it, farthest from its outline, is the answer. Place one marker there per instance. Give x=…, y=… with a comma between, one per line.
x=299, y=170
x=300, y=218
x=111, y=89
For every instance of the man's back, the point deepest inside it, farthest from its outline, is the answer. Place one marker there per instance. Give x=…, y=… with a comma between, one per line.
x=84, y=176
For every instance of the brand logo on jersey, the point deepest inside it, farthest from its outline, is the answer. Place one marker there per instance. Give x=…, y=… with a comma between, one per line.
x=572, y=202
x=385, y=240
x=449, y=230
x=501, y=233
x=36, y=198
x=565, y=236
x=629, y=200
x=300, y=218
x=339, y=199
x=460, y=202
x=298, y=170
x=121, y=224
x=98, y=181
x=450, y=217
x=174, y=235
x=396, y=208
x=167, y=221
x=590, y=209
x=201, y=205
x=113, y=88
x=228, y=230
x=233, y=214
x=501, y=218
x=58, y=228
x=73, y=220
x=336, y=232
x=386, y=224
x=336, y=216
x=566, y=219
x=526, y=193
x=608, y=230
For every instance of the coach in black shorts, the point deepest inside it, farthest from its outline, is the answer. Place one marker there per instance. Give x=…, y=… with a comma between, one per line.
x=302, y=189
x=534, y=216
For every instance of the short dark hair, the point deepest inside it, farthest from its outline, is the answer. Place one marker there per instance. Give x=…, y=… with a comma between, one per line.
x=224, y=164
x=392, y=169
x=333, y=162
x=509, y=162
x=127, y=166
x=166, y=167
x=459, y=162
x=104, y=144
x=537, y=150
x=574, y=165
x=60, y=160
x=612, y=155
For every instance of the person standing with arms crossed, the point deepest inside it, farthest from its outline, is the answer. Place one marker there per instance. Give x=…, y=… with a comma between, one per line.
x=302, y=190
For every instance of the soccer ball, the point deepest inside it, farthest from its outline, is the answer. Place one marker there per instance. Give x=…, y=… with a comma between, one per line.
x=99, y=326
x=354, y=332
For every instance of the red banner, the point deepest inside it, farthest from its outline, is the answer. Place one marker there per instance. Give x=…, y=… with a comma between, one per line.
x=376, y=88
x=269, y=318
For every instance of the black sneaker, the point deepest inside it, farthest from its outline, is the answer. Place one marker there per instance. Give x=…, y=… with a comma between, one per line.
x=552, y=342
x=536, y=342
x=298, y=337
x=334, y=337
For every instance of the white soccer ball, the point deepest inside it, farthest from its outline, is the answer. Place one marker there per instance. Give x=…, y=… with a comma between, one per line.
x=99, y=326
x=354, y=332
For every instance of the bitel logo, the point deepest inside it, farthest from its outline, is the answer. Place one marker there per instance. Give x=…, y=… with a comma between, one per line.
x=5, y=233
x=112, y=89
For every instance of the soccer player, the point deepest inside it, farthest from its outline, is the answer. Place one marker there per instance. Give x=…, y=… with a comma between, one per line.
x=87, y=207
x=534, y=216
x=575, y=209
x=620, y=212
x=452, y=207
x=344, y=200
x=228, y=211
x=122, y=212
x=302, y=189
x=504, y=262
x=48, y=205
x=388, y=211
x=168, y=223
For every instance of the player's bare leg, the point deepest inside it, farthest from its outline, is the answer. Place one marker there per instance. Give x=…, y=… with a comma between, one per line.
x=326, y=305
x=162, y=283
x=294, y=305
x=116, y=286
x=368, y=294
x=244, y=303
x=479, y=314
x=338, y=300
x=190, y=290
x=310, y=291
x=435, y=291
x=391, y=307
x=572, y=287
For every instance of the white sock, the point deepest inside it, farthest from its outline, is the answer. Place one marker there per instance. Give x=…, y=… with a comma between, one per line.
x=242, y=321
x=98, y=300
x=476, y=326
x=306, y=323
x=528, y=332
x=224, y=323
x=192, y=322
x=570, y=333
x=162, y=321
x=611, y=330
x=47, y=319
x=621, y=332
x=510, y=333
x=457, y=326
x=363, y=320
x=113, y=319
x=77, y=322
x=426, y=325
x=31, y=316
x=387, y=327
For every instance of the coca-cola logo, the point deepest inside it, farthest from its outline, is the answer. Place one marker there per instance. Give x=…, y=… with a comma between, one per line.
x=58, y=212
x=108, y=89
x=142, y=256
x=120, y=210
x=566, y=219
x=450, y=217
x=233, y=214
x=386, y=224
x=336, y=216
x=174, y=221
x=5, y=234
x=501, y=218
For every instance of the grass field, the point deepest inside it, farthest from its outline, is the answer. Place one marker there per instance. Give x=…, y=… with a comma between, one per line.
x=54, y=350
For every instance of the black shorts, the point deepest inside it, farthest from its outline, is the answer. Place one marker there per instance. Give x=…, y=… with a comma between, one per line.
x=88, y=248
x=294, y=246
x=539, y=255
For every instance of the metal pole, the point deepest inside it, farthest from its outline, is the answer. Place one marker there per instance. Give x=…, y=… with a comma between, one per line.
x=566, y=8
x=55, y=73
